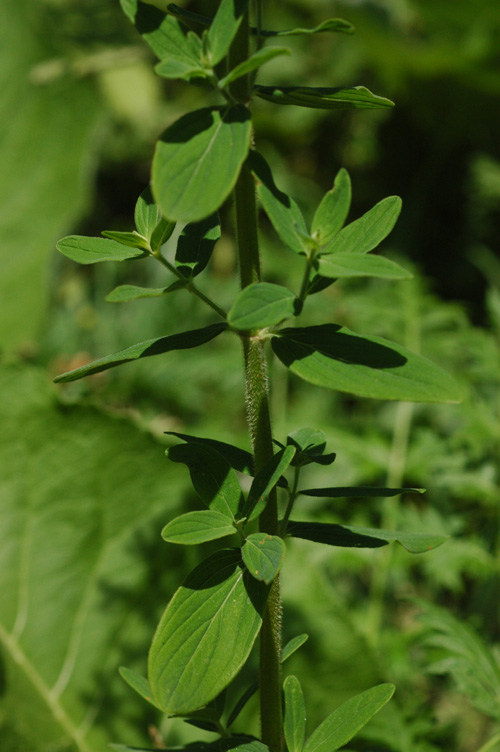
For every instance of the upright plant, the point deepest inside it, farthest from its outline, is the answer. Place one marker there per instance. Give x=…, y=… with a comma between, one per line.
x=210, y=625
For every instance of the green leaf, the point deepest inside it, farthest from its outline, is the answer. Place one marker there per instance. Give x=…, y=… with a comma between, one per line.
x=333, y=209
x=213, y=619
x=351, y=536
x=242, y=744
x=195, y=246
x=157, y=346
x=310, y=444
x=131, y=239
x=263, y=556
x=139, y=683
x=224, y=27
x=184, y=63
x=283, y=212
x=252, y=63
x=336, y=358
x=212, y=477
x=265, y=480
x=357, y=492
x=294, y=644
x=331, y=24
x=197, y=527
x=198, y=160
x=294, y=721
x=188, y=15
x=260, y=305
x=338, y=98
x=357, y=265
x=238, y=458
x=124, y=293
x=348, y=719
x=365, y=233
x=86, y=250
x=245, y=697
x=161, y=234
x=146, y=214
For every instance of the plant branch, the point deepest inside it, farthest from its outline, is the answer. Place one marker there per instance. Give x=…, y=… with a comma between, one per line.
x=189, y=285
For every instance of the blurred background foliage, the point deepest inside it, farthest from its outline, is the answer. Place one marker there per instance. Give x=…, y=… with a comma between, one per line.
x=84, y=489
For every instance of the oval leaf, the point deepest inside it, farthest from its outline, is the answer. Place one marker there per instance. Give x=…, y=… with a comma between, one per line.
x=224, y=27
x=365, y=233
x=351, y=536
x=348, y=719
x=197, y=527
x=333, y=209
x=260, y=305
x=124, y=293
x=336, y=358
x=205, y=634
x=263, y=556
x=357, y=265
x=146, y=214
x=198, y=159
x=85, y=250
x=294, y=722
x=182, y=341
x=337, y=98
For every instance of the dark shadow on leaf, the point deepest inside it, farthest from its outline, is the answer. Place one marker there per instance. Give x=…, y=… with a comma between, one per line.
x=332, y=535
x=195, y=123
x=261, y=170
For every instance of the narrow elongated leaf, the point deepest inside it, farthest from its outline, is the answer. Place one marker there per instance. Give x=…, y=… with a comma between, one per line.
x=161, y=233
x=331, y=24
x=198, y=160
x=339, y=98
x=265, y=480
x=146, y=214
x=352, y=536
x=197, y=527
x=224, y=27
x=211, y=622
x=238, y=458
x=245, y=697
x=348, y=719
x=86, y=250
x=212, y=476
x=282, y=210
x=294, y=721
x=157, y=346
x=294, y=644
x=188, y=15
x=124, y=293
x=132, y=239
x=357, y=492
x=194, y=747
x=195, y=246
x=260, y=305
x=139, y=683
x=333, y=209
x=336, y=358
x=357, y=265
x=252, y=63
x=263, y=556
x=365, y=233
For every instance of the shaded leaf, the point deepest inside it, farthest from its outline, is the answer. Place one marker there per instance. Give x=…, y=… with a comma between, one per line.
x=365, y=233
x=336, y=358
x=265, y=480
x=195, y=245
x=138, y=683
x=333, y=209
x=357, y=492
x=348, y=719
x=197, y=527
x=294, y=721
x=213, y=620
x=161, y=234
x=252, y=63
x=357, y=265
x=146, y=214
x=212, y=477
x=198, y=159
x=337, y=98
x=260, y=305
x=150, y=347
x=238, y=458
x=85, y=250
x=245, y=697
x=132, y=239
x=124, y=293
x=351, y=536
x=310, y=444
x=263, y=556
x=294, y=644
x=224, y=27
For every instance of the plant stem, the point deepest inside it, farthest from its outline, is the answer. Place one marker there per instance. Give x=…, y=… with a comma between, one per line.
x=189, y=285
x=259, y=421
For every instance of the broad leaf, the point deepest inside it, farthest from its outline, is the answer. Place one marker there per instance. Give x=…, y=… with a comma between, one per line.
x=365, y=233
x=85, y=250
x=132, y=239
x=157, y=346
x=357, y=492
x=348, y=719
x=333, y=209
x=260, y=305
x=195, y=245
x=323, y=98
x=310, y=444
x=252, y=63
x=124, y=293
x=294, y=721
x=146, y=214
x=138, y=683
x=212, y=620
x=212, y=477
x=184, y=59
x=357, y=265
x=197, y=527
x=238, y=458
x=224, y=27
x=282, y=210
x=263, y=556
x=198, y=160
x=336, y=358
x=294, y=644
x=331, y=24
x=265, y=480
x=351, y=536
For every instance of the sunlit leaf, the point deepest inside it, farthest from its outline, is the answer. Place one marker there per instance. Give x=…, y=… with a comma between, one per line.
x=263, y=556
x=294, y=721
x=260, y=305
x=252, y=63
x=331, y=24
x=197, y=527
x=86, y=250
x=333, y=209
x=351, y=536
x=132, y=239
x=146, y=214
x=139, y=683
x=365, y=233
x=224, y=27
x=323, y=98
x=358, y=265
x=294, y=644
x=265, y=480
x=124, y=293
